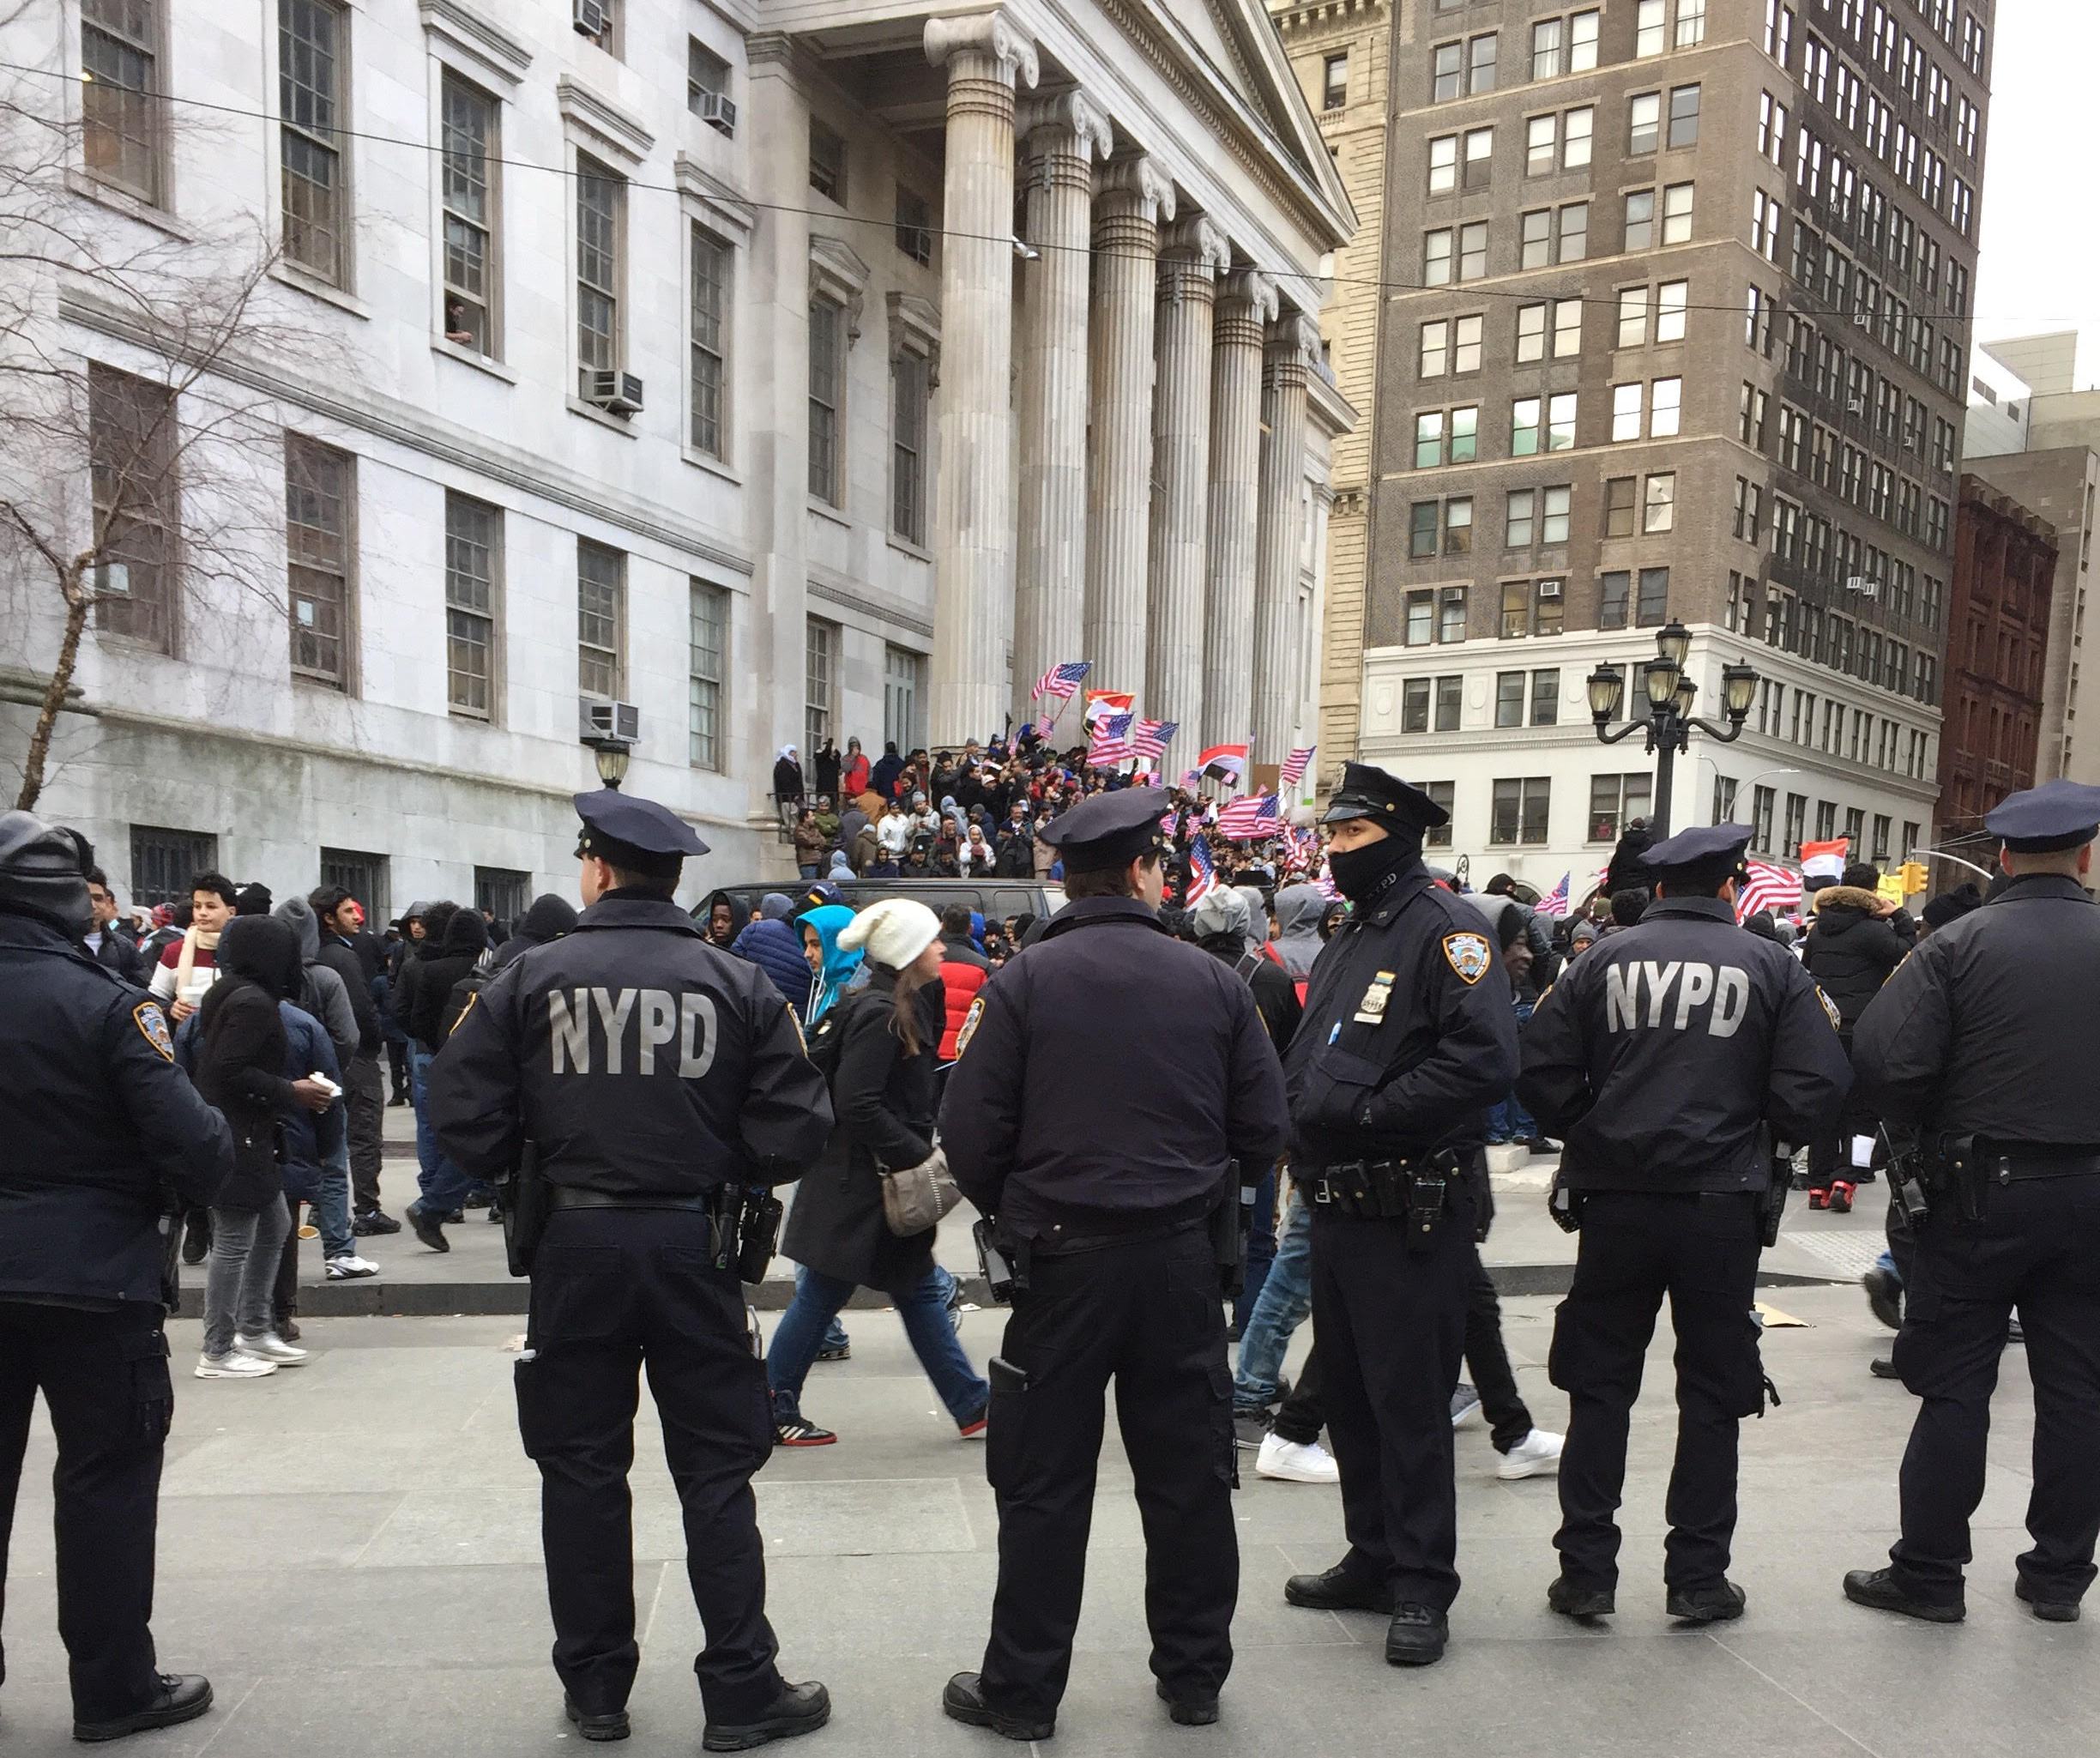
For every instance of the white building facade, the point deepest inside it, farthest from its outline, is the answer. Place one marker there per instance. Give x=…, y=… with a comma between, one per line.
x=779, y=371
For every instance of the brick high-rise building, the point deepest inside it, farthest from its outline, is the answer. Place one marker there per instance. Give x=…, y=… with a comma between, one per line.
x=1675, y=327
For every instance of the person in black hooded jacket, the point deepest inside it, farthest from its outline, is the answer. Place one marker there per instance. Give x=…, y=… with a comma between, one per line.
x=449, y=953
x=1856, y=940
x=549, y=918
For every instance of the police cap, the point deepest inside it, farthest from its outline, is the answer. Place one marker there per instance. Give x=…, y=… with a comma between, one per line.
x=1367, y=791
x=2059, y=815
x=638, y=835
x=1703, y=856
x=1110, y=829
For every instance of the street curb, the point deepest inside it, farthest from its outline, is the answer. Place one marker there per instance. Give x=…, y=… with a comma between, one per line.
x=377, y=1298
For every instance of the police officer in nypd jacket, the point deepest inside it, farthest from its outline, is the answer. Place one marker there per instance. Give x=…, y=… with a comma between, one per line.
x=1668, y=1059
x=1408, y=1037
x=654, y=1075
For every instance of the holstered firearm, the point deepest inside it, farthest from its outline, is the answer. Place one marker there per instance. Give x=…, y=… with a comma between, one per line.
x=1957, y=1169
x=171, y=1252
x=1771, y=1206
x=526, y=1202
x=1564, y=1205
x=1908, y=1176
x=752, y=1232
x=1231, y=1221
x=1001, y=1278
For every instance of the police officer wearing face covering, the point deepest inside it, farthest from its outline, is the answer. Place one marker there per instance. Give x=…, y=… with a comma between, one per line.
x=104, y=1136
x=1408, y=1035
x=1109, y=1079
x=661, y=1087
x=1984, y=1045
x=1669, y=1058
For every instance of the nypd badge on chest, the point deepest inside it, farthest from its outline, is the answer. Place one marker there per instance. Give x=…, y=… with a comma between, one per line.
x=1371, y=1009
x=1468, y=955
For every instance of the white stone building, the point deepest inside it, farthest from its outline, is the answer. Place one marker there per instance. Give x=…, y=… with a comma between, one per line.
x=777, y=367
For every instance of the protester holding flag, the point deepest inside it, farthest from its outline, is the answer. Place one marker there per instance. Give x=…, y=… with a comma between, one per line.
x=1858, y=938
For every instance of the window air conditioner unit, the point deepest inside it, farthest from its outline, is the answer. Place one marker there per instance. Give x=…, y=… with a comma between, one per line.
x=1864, y=585
x=1853, y=405
x=1862, y=320
x=1549, y=589
x=619, y=392
x=591, y=17
x=600, y=719
x=718, y=111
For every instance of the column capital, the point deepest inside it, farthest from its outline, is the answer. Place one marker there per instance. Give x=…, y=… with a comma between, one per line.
x=1071, y=113
x=1251, y=289
x=1194, y=238
x=995, y=36
x=1135, y=183
x=1293, y=340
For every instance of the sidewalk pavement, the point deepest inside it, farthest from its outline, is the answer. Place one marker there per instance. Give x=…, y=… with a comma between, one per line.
x=351, y=1551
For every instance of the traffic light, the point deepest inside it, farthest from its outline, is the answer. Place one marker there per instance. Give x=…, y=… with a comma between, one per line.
x=1912, y=873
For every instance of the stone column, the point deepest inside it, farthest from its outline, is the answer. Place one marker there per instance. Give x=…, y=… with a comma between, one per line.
x=1061, y=137
x=1285, y=363
x=1193, y=255
x=973, y=498
x=1131, y=199
x=1282, y=532
x=1244, y=304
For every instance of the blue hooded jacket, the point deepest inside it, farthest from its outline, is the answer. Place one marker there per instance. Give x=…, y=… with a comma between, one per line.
x=775, y=945
x=840, y=966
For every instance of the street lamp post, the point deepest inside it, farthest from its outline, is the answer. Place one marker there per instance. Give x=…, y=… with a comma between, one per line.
x=611, y=754
x=1667, y=728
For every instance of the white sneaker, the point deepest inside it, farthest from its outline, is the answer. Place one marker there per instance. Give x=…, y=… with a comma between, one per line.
x=348, y=1268
x=1538, y=1452
x=1295, y=1461
x=270, y=1347
x=232, y=1365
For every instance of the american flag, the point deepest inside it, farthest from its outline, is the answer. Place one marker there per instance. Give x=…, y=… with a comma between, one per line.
x=1328, y=888
x=1292, y=771
x=1191, y=780
x=1111, y=743
x=1151, y=738
x=1062, y=681
x=1250, y=821
x=1202, y=873
x=1775, y=888
x=1556, y=902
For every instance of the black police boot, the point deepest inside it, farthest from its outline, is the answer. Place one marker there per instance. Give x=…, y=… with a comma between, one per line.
x=799, y=1709
x=1882, y=1368
x=1884, y=1296
x=611, y=1725
x=181, y=1697
x=1573, y=1600
x=426, y=1227
x=1880, y=1588
x=1197, y=1709
x=2049, y=1610
x=1337, y=1591
x=1710, y=1602
x=1416, y=1636
x=963, y=1699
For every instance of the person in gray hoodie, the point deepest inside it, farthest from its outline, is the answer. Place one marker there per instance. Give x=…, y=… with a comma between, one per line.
x=1299, y=909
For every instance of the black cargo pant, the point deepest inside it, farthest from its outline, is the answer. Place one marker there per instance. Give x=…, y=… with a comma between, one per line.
x=1389, y=1322
x=614, y=1290
x=104, y=1379
x=365, y=1094
x=2036, y=1247
x=1635, y=1248
x=1148, y=1316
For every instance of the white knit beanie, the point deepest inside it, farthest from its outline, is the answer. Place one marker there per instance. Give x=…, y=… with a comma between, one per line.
x=894, y=932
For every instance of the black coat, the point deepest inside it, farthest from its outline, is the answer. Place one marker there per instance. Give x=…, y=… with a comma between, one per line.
x=1851, y=950
x=117, y=953
x=341, y=957
x=825, y=762
x=1276, y=995
x=787, y=779
x=240, y=1068
x=884, y=1104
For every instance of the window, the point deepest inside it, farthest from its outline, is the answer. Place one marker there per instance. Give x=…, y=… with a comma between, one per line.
x=1796, y=823
x=311, y=67
x=1576, y=128
x=827, y=163
x=1561, y=422
x=1445, y=62
x=1428, y=439
x=1450, y=345
x=1684, y=116
x=1334, y=83
x=1437, y=256
x=707, y=85
x=1761, y=818
x=1582, y=41
x=1632, y=316
x=1473, y=250
x=1536, y=241
x=1574, y=232
x=1423, y=517
x=1541, y=145
x=1516, y=609
x=1771, y=129
x=474, y=580
x=601, y=620
x=1439, y=835
x=1567, y=316
x=915, y=226
x=706, y=666
x=1764, y=216
x=1612, y=600
x=1509, y=709
x=710, y=340
x=1671, y=299
x=1640, y=220
x=121, y=136
x=1652, y=605
x=904, y=689
x=1618, y=506
x=1625, y=412
x=1450, y=698
x=502, y=892
x=911, y=395
x=1643, y=122
x=601, y=202
x=363, y=875
x=467, y=173
x=1659, y=509
x=1549, y=602
x=1614, y=802
x=1480, y=65
x=1525, y=426
x=1414, y=705
x=1649, y=29
x=1459, y=525
x=1545, y=697
x=1432, y=358
x=1724, y=800
x=1664, y=397
x=1691, y=24
x=317, y=488
x=1547, y=38
x=1554, y=509
x=131, y=446
x=1479, y=158
x=163, y=862
x=1519, y=811
x=827, y=392
x=1677, y=214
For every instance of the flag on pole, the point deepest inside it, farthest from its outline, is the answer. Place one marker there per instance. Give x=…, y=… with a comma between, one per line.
x=1061, y=681
x=1770, y=887
x=1100, y=704
x=1228, y=762
x=1202, y=873
x=1151, y=738
x=1191, y=780
x=1556, y=902
x=1292, y=771
x=1250, y=821
x=1824, y=860
x=1111, y=743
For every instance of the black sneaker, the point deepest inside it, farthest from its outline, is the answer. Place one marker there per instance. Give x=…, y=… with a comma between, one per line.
x=612, y=1725
x=1250, y=1427
x=1337, y=1591
x=1572, y=1599
x=197, y=1241
x=839, y=1352
x=1879, y=1589
x=799, y=1709
x=1883, y=1369
x=182, y=1697
x=372, y=1221
x=426, y=1226
x=800, y=1431
x=962, y=1701
x=1712, y=1602
x=1884, y=1296
x=2048, y=1609
x=1199, y=1709
x=1417, y=1636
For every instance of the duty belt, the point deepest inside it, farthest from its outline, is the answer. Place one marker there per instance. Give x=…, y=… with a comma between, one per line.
x=1418, y=1191
x=2019, y=1168
x=716, y=1203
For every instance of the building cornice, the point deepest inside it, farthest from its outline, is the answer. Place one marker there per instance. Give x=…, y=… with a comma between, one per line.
x=722, y=202
x=603, y=120
x=466, y=29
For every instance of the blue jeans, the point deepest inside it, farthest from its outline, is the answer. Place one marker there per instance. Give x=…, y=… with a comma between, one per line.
x=332, y=1210
x=1508, y=1120
x=1261, y=1249
x=1286, y=1298
x=834, y=1335
x=444, y=1186
x=924, y=1310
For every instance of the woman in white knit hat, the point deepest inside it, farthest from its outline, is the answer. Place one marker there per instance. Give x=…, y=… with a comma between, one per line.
x=883, y=1093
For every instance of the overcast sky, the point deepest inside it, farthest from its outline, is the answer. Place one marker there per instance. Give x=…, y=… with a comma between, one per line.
x=2040, y=267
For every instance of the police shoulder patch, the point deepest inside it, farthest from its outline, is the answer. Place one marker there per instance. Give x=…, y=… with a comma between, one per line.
x=969, y=1025
x=1468, y=955
x=1837, y=1019
x=154, y=1028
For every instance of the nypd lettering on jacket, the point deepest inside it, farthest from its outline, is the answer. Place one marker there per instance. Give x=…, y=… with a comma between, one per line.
x=592, y=1030
x=1681, y=995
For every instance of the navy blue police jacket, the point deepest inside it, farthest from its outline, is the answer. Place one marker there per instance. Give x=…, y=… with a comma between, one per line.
x=1669, y=1056
x=637, y=1059
x=102, y=1131
x=1107, y=1077
x=1409, y=1032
